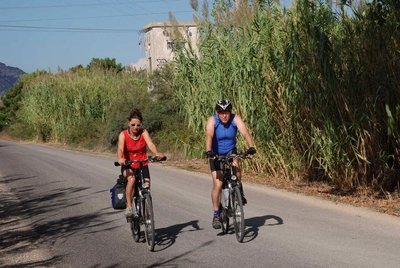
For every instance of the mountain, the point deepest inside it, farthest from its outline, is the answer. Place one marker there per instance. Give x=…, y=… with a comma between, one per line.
x=8, y=77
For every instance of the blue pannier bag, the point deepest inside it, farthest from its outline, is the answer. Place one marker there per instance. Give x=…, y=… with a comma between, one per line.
x=118, y=194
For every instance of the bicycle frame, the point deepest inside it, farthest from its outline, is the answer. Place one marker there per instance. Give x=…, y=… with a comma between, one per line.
x=232, y=204
x=142, y=201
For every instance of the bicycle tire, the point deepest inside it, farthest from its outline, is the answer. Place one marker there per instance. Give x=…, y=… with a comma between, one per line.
x=135, y=224
x=238, y=214
x=224, y=218
x=148, y=218
x=135, y=227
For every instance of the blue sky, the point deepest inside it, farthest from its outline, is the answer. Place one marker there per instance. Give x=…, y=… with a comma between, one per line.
x=52, y=34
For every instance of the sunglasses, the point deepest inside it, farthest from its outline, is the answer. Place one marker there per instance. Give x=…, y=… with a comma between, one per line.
x=136, y=125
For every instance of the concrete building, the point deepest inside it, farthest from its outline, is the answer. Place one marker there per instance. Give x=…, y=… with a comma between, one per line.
x=160, y=39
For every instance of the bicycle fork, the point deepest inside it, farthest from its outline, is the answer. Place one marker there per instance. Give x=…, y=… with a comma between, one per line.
x=228, y=195
x=142, y=205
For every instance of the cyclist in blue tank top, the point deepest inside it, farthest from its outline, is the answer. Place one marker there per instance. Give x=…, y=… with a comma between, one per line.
x=221, y=131
x=224, y=139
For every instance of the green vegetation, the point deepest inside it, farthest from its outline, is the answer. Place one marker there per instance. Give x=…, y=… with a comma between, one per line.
x=318, y=86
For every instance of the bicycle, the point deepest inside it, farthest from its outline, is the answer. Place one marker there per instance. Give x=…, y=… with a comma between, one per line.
x=143, y=204
x=231, y=205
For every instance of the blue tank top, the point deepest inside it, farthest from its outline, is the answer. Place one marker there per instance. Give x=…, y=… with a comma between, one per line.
x=224, y=139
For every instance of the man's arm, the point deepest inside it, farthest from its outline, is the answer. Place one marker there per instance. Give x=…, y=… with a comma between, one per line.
x=209, y=133
x=243, y=130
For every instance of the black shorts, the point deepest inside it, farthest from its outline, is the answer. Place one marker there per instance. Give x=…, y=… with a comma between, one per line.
x=146, y=172
x=216, y=164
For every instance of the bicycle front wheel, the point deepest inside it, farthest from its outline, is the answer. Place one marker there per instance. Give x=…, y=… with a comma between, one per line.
x=238, y=214
x=148, y=218
x=224, y=218
x=135, y=225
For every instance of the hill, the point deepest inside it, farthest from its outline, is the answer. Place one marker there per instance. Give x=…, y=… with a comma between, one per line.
x=8, y=77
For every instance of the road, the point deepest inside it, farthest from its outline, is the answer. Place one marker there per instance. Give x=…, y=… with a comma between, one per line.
x=56, y=211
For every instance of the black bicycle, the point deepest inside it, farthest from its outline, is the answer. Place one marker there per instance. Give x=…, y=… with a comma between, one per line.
x=143, y=204
x=231, y=205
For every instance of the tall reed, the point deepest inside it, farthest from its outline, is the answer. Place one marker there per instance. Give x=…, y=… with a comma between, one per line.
x=317, y=85
x=60, y=106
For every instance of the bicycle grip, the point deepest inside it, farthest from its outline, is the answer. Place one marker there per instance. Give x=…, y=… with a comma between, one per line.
x=154, y=159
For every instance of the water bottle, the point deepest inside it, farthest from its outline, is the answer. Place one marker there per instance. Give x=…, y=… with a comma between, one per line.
x=137, y=202
x=226, y=196
x=138, y=206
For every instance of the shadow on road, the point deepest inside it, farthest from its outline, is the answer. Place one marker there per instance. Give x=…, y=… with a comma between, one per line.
x=166, y=237
x=46, y=263
x=167, y=263
x=20, y=235
x=253, y=225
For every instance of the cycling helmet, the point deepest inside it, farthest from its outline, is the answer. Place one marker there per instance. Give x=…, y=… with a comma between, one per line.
x=223, y=105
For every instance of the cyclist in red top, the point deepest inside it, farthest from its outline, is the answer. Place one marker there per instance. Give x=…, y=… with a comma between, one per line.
x=132, y=144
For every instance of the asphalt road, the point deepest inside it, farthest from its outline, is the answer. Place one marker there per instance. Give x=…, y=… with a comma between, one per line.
x=55, y=211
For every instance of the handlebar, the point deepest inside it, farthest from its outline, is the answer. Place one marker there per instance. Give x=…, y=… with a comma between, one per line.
x=231, y=156
x=150, y=158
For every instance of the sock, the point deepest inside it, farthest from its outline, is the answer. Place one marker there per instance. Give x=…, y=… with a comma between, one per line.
x=216, y=212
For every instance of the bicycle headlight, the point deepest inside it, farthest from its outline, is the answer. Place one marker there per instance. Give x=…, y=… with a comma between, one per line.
x=233, y=177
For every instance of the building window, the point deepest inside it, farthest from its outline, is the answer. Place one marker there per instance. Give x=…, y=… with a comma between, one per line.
x=174, y=45
x=170, y=45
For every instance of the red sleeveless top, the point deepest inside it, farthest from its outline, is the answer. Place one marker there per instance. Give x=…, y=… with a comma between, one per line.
x=135, y=149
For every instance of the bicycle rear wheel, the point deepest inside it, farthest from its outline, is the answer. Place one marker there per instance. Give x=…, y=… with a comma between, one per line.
x=148, y=218
x=135, y=227
x=238, y=214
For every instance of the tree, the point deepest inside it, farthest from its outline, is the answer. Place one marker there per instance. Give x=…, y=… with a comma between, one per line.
x=11, y=101
x=106, y=64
